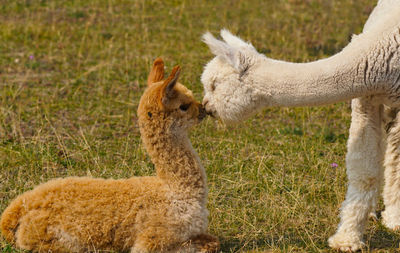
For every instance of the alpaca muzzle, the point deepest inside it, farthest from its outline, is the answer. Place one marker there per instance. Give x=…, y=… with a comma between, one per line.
x=207, y=109
x=202, y=113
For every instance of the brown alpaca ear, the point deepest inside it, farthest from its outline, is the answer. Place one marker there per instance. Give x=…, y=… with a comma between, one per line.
x=169, y=84
x=157, y=72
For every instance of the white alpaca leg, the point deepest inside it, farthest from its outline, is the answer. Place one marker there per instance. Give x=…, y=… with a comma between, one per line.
x=364, y=168
x=391, y=190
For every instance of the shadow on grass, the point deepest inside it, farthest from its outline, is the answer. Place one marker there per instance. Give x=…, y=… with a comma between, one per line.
x=284, y=243
x=383, y=239
x=379, y=239
x=237, y=245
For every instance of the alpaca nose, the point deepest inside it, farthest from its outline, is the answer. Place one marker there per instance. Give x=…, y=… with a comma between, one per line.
x=208, y=111
x=202, y=112
x=205, y=102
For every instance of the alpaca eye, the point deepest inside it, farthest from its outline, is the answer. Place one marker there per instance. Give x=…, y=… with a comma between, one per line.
x=184, y=107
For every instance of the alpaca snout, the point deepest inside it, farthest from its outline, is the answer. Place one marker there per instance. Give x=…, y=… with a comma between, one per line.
x=207, y=108
x=205, y=102
x=202, y=112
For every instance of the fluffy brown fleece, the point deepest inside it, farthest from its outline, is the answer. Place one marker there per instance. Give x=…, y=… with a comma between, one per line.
x=163, y=213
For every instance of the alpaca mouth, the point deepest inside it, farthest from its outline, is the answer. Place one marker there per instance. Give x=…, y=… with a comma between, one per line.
x=207, y=110
x=211, y=113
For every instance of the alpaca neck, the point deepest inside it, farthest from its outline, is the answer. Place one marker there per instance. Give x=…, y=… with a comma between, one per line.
x=338, y=78
x=176, y=162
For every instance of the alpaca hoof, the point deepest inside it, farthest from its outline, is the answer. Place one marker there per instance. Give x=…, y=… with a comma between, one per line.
x=205, y=243
x=210, y=248
x=391, y=220
x=345, y=242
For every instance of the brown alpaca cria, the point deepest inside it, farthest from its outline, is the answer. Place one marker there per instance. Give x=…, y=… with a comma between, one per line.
x=163, y=213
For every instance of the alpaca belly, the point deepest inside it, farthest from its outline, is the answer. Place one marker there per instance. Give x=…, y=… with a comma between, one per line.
x=69, y=242
x=36, y=233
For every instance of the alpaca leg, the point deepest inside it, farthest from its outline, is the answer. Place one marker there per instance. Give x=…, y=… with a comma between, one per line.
x=35, y=233
x=32, y=232
x=165, y=240
x=391, y=190
x=364, y=169
x=156, y=239
x=138, y=249
x=204, y=243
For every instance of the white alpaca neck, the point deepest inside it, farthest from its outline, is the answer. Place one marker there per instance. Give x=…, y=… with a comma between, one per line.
x=239, y=80
x=338, y=78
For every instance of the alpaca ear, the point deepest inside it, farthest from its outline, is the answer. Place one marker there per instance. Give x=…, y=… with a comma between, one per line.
x=168, y=91
x=220, y=48
x=243, y=62
x=157, y=72
x=236, y=57
x=235, y=41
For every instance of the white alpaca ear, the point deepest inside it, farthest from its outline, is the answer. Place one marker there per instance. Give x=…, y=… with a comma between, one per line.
x=235, y=41
x=220, y=48
x=238, y=59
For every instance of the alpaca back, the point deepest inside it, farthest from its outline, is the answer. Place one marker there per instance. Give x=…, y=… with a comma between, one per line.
x=385, y=9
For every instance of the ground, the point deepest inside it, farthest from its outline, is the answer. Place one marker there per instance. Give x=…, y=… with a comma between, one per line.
x=71, y=74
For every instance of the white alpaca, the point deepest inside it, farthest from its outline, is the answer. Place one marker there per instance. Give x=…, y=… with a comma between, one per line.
x=239, y=81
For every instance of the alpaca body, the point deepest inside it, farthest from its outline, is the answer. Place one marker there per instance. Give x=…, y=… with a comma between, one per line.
x=239, y=81
x=162, y=213
x=88, y=214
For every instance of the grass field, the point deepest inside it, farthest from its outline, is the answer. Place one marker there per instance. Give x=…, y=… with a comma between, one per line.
x=71, y=74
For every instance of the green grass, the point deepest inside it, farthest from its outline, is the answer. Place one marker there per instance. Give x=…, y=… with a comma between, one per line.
x=71, y=74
